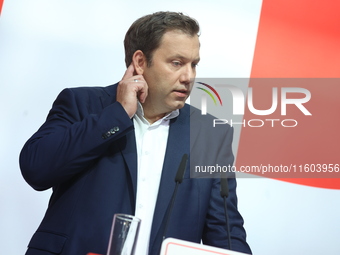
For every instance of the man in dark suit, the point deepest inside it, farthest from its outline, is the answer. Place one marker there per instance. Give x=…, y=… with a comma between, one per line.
x=116, y=149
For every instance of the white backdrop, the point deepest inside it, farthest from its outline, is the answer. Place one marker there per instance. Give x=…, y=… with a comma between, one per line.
x=46, y=46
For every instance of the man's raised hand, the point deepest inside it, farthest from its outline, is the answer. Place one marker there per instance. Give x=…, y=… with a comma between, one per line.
x=131, y=89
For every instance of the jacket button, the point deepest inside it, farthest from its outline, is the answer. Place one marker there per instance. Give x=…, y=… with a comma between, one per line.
x=111, y=132
x=114, y=130
x=106, y=135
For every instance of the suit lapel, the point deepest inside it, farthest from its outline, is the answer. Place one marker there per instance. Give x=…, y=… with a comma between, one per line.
x=129, y=152
x=178, y=144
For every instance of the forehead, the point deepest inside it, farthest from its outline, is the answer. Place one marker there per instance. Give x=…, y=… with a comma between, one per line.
x=178, y=42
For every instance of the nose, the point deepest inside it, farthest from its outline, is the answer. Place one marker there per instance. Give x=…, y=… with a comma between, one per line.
x=188, y=74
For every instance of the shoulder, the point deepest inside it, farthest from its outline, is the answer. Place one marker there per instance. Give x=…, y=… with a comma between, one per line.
x=87, y=95
x=207, y=121
x=93, y=91
x=83, y=100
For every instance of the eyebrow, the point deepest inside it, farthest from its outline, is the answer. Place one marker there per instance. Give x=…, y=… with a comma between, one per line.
x=185, y=58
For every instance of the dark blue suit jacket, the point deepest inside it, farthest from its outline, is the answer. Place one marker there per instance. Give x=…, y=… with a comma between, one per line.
x=86, y=151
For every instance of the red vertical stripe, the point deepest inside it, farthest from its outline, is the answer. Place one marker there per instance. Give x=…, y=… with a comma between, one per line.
x=1, y=3
x=298, y=39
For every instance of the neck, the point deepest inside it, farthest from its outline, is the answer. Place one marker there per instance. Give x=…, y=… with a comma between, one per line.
x=152, y=118
x=151, y=114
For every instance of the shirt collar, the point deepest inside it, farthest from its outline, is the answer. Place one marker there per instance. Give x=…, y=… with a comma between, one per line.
x=140, y=113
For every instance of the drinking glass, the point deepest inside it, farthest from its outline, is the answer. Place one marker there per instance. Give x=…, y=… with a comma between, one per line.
x=124, y=235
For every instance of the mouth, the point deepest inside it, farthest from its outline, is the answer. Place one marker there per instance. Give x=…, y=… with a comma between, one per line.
x=181, y=92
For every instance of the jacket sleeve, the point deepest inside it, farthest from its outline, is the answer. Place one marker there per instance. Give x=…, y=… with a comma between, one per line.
x=77, y=131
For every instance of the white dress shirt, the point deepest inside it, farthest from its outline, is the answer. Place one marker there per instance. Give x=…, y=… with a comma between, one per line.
x=151, y=140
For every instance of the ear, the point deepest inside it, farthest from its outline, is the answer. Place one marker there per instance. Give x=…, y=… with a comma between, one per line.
x=139, y=62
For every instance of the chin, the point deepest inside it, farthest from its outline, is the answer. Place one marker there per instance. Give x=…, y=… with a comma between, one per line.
x=175, y=104
x=179, y=105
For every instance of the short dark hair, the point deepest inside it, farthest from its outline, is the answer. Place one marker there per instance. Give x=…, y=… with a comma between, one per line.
x=145, y=33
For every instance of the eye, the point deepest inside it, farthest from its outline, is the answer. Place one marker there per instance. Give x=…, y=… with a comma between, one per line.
x=194, y=65
x=176, y=63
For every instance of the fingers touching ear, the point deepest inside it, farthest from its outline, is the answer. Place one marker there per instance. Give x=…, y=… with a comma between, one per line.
x=139, y=62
